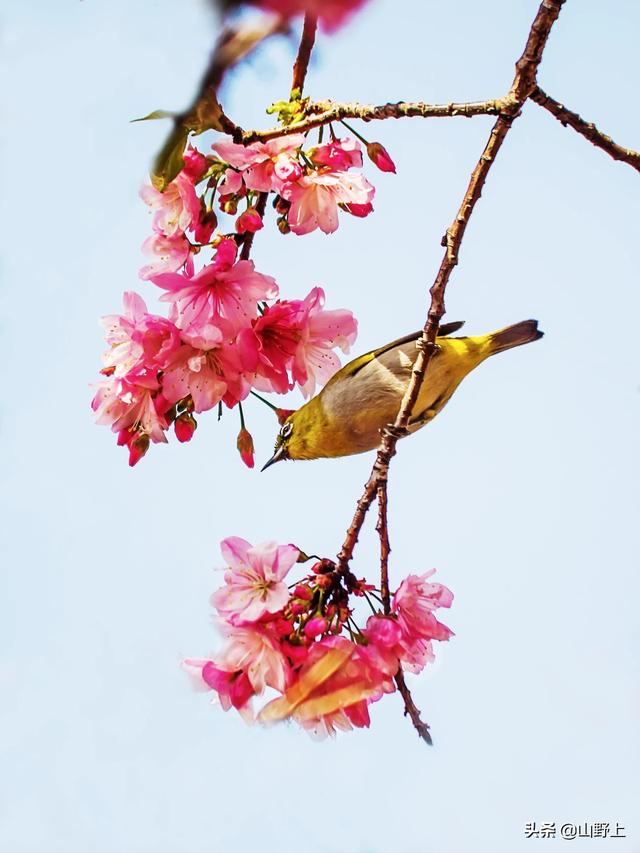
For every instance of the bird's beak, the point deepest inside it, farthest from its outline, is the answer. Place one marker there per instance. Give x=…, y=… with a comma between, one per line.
x=281, y=453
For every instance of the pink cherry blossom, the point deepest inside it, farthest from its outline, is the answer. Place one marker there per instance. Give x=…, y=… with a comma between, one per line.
x=176, y=209
x=338, y=155
x=340, y=701
x=414, y=603
x=233, y=688
x=263, y=166
x=123, y=405
x=140, y=343
x=322, y=331
x=170, y=253
x=316, y=196
x=256, y=650
x=332, y=13
x=270, y=345
x=223, y=290
x=254, y=581
x=208, y=375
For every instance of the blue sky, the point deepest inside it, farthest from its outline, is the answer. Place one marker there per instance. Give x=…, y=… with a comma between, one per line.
x=523, y=494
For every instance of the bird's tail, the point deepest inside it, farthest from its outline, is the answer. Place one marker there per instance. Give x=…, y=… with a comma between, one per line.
x=514, y=336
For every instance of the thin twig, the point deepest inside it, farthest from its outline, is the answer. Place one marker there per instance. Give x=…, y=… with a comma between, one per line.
x=410, y=708
x=323, y=112
x=586, y=129
x=524, y=83
x=304, y=55
x=382, y=527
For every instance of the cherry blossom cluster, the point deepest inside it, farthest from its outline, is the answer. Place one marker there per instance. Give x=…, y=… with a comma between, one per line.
x=227, y=332
x=310, y=186
x=301, y=640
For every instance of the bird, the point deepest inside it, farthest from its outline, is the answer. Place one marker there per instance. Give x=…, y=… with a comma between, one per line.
x=364, y=396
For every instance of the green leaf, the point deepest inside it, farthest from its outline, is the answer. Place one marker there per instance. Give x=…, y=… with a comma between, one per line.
x=169, y=160
x=156, y=114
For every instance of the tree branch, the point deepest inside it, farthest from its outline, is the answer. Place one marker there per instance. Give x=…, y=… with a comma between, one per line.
x=523, y=84
x=586, y=129
x=322, y=112
x=382, y=527
x=304, y=55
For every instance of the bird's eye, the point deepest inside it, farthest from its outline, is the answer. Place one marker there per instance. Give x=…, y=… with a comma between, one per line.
x=285, y=432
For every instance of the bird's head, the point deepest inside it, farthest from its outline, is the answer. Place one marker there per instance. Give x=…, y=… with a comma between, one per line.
x=283, y=439
x=301, y=434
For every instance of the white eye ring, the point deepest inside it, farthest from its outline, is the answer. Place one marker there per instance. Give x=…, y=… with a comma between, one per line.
x=285, y=432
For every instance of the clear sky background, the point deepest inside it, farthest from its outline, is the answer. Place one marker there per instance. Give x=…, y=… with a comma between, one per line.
x=524, y=493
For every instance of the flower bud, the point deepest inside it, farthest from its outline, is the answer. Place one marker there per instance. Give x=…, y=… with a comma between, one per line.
x=195, y=164
x=250, y=221
x=283, y=225
x=229, y=204
x=359, y=210
x=323, y=566
x=303, y=592
x=245, y=447
x=315, y=626
x=185, y=426
x=324, y=581
x=206, y=226
x=379, y=155
x=137, y=448
x=281, y=205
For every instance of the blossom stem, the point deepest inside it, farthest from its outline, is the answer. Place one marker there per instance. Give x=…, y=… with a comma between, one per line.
x=354, y=131
x=266, y=402
x=368, y=600
x=242, y=424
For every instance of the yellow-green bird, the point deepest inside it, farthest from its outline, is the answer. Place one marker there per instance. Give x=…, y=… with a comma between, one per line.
x=364, y=396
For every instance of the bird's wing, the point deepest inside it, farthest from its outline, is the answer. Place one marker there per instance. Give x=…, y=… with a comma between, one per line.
x=357, y=364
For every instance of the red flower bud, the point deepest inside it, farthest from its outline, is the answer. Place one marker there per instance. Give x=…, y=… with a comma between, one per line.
x=303, y=592
x=195, y=164
x=379, y=155
x=137, y=448
x=245, y=447
x=359, y=210
x=185, y=426
x=283, y=225
x=250, y=221
x=315, y=626
x=229, y=204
